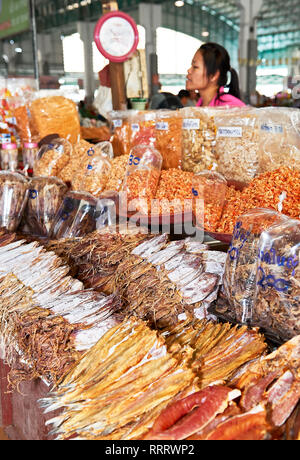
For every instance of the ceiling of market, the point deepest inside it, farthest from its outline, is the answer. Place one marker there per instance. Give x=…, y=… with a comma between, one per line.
x=278, y=23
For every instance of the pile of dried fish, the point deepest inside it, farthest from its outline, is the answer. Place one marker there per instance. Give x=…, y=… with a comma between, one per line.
x=119, y=386
x=262, y=402
x=215, y=351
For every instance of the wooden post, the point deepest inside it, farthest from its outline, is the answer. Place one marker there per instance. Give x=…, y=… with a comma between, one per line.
x=116, y=69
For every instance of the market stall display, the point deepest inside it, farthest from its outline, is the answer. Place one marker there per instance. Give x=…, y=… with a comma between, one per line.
x=9, y=157
x=168, y=137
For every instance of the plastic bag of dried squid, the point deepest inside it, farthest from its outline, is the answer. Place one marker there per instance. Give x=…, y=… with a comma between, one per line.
x=141, y=178
x=277, y=296
x=44, y=200
x=209, y=194
x=52, y=158
x=242, y=264
x=13, y=199
x=75, y=217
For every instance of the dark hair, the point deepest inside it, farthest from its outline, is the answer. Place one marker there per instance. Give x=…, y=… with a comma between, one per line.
x=216, y=58
x=183, y=93
x=170, y=102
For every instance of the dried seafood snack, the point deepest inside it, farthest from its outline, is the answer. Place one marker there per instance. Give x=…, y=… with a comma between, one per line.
x=74, y=164
x=76, y=216
x=13, y=199
x=198, y=139
x=168, y=137
x=93, y=174
x=279, y=139
x=237, y=144
x=52, y=158
x=242, y=263
x=55, y=114
x=44, y=200
x=276, y=307
x=134, y=378
x=117, y=173
x=122, y=131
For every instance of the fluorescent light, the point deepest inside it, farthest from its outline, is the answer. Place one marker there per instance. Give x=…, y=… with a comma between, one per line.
x=18, y=50
x=205, y=33
x=179, y=3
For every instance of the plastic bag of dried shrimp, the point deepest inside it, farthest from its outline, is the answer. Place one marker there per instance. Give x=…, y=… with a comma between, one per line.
x=209, y=193
x=142, y=177
x=242, y=263
x=279, y=138
x=198, y=138
x=237, y=144
x=120, y=125
x=142, y=127
x=52, y=158
x=277, y=296
x=168, y=137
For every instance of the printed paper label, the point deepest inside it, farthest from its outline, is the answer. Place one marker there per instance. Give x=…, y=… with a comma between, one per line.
x=117, y=123
x=191, y=123
x=230, y=131
x=272, y=129
x=162, y=125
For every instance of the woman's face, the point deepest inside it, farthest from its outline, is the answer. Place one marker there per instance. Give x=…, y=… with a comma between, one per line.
x=196, y=77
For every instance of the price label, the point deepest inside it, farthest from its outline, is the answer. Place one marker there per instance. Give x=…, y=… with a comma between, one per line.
x=117, y=123
x=230, y=131
x=135, y=127
x=272, y=129
x=162, y=126
x=191, y=123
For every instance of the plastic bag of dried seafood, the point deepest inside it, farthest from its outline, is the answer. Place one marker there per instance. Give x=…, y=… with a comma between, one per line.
x=45, y=198
x=52, y=158
x=242, y=263
x=198, y=138
x=279, y=138
x=168, y=137
x=277, y=297
x=142, y=177
x=13, y=199
x=237, y=144
x=75, y=217
x=142, y=127
x=94, y=177
x=209, y=194
x=120, y=125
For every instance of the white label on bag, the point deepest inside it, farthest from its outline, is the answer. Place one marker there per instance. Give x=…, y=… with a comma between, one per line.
x=135, y=127
x=162, y=125
x=272, y=129
x=117, y=123
x=230, y=131
x=191, y=123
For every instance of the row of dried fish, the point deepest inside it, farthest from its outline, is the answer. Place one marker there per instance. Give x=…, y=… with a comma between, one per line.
x=120, y=386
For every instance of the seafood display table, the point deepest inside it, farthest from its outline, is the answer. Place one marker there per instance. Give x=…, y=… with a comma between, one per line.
x=20, y=414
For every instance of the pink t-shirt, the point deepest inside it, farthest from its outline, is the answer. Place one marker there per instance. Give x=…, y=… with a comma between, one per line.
x=224, y=100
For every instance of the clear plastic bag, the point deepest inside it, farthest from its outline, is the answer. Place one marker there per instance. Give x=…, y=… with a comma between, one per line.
x=237, y=144
x=30, y=154
x=279, y=139
x=120, y=124
x=277, y=297
x=168, y=137
x=198, y=138
x=13, y=199
x=52, y=158
x=9, y=157
x=93, y=178
x=242, y=262
x=142, y=128
x=79, y=152
x=76, y=216
x=209, y=194
x=142, y=177
x=45, y=198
